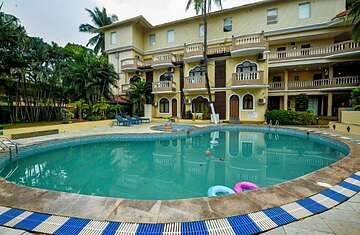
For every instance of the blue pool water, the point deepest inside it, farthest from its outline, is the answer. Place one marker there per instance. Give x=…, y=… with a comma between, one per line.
x=172, y=166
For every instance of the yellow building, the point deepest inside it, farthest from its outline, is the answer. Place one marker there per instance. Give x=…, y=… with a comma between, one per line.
x=262, y=56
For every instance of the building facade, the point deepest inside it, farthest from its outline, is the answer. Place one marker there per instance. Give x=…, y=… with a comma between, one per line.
x=262, y=56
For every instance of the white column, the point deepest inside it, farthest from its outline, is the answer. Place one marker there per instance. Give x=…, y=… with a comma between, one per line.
x=286, y=98
x=330, y=104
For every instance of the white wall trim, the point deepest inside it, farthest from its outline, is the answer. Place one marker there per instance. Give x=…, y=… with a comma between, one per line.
x=169, y=113
x=228, y=104
x=191, y=105
x=254, y=103
x=257, y=65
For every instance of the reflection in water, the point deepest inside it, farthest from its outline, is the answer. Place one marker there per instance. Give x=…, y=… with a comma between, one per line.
x=172, y=169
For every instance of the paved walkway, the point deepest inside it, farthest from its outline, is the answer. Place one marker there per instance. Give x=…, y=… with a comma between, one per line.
x=341, y=220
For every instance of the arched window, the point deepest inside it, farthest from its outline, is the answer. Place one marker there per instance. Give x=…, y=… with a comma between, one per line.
x=168, y=76
x=246, y=67
x=199, y=105
x=196, y=72
x=164, y=105
x=134, y=79
x=248, y=102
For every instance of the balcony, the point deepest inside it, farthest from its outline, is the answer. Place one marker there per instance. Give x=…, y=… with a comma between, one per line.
x=248, y=79
x=195, y=83
x=163, y=61
x=248, y=45
x=331, y=51
x=335, y=83
x=131, y=64
x=195, y=51
x=164, y=87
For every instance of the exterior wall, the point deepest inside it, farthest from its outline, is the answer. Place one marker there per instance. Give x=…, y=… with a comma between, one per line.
x=124, y=37
x=350, y=117
x=170, y=97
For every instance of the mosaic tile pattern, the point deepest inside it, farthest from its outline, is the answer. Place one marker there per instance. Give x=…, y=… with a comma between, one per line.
x=252, y=223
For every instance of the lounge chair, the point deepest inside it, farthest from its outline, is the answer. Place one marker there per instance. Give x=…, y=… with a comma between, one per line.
x=133, y=120
x=142, y=120
x=122, y=121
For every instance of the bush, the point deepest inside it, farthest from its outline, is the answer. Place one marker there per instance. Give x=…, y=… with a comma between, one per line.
x=188, y=115
x=286, y=117
x=94, y=118
x=206, y=114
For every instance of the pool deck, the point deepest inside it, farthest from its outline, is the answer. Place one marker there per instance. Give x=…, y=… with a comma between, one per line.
x=344, y=217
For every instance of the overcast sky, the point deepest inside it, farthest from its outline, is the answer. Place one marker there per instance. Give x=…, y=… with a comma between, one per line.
x=59, y=20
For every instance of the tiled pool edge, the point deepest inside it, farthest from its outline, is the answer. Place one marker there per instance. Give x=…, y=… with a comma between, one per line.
x=252, y=223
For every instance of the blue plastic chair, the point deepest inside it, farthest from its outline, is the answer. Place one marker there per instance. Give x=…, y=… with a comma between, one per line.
x=123, y=121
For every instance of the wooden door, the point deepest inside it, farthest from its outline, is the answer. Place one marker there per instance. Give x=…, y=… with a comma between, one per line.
x=220, y=73
x=174, y=107
x=220, y=104
x=234, y=107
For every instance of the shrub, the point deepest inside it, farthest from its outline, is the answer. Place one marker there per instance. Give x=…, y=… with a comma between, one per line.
x=114, y=110
x=286, y=117
x=188, y=115
x=94, y=118
x=355, y=99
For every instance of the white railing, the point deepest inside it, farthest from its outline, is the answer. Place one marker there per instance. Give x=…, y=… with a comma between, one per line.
x=316, y=51
x=164, y=58
x=246, y=40
x=345, y=81
x=247, y=76
x=131, y=62
x=276, y=85
x=194, y=47
x=195, y=79
x=164, y=84
x=309, y=84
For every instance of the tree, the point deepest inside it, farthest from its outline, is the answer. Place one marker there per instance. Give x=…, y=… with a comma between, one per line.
x=100, y=19
x=204, y=6
x=354, y=18
x=140, y=94
x=355, y=99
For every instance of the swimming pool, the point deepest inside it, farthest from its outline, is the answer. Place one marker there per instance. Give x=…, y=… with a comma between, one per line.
x=172, y=166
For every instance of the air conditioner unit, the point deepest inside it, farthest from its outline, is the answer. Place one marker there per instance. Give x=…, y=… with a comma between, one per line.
x=260, y=57
x=262, y=101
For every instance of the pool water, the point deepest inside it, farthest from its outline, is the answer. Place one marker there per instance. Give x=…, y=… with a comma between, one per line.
x=176, y=168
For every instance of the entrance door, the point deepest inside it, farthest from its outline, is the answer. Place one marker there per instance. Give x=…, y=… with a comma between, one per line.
x=174, y=107
x=220, y=104
x=234, y=108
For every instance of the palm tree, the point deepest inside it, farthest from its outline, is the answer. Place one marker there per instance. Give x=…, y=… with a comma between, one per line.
x=100, y=18
x=354, y=18
x=204, y=6
x=139, y=94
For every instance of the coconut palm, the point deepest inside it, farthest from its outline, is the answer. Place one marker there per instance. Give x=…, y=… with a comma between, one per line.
x=354, y=18
x=100, y=19
x=140, y=94
x=204, y=6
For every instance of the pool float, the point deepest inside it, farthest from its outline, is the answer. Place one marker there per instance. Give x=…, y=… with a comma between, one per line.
x=219, y=191
x=244, y=186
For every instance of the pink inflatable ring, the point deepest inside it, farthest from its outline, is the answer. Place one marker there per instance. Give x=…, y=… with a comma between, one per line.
x=243, y=186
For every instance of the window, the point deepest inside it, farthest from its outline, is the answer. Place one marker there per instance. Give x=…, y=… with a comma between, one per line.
x=113, y=38
x=152, y=40
x=164, y=105
x=196, y=72
x=248, y=102
x=272, y=16
x=171, y=35
x=228, y=24
x=246, y=67
x=199, y=105
x=304, y=10
x=201, y=30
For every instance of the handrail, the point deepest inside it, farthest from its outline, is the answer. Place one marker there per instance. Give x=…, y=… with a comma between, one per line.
x=9, y=147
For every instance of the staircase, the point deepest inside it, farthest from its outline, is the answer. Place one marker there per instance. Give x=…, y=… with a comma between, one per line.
x=7, y=145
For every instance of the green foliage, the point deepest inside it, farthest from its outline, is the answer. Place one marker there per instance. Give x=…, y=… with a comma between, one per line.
x=302, y=102
x=37, y=76
x=100, y=19
x=94, y=118
x=188, y=115
x=140, y=94
x=287, y=117
x=355, y=99
x=68, y=115
x=206, y=113
x=354, y=19
x=101, y=108
x=114, y=110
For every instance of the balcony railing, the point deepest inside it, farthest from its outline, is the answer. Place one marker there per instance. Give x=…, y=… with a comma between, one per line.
x=350, y=81
x=163, y=60
x=248, y=42
x=195, y=82
x=331, y=50
x=196, y=50
x=131, y=64
x=164, y=86
x=248, y=78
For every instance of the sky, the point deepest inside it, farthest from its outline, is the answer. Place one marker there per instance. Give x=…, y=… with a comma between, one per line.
x=59, y=20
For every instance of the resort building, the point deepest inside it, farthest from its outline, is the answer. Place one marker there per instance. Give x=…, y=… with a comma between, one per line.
x=263, y=56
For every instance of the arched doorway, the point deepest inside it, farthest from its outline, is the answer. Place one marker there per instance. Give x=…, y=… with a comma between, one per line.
x=174, y=107
x=234, y=108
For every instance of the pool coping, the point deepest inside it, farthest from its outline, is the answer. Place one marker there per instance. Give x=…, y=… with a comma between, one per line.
x=185, y=210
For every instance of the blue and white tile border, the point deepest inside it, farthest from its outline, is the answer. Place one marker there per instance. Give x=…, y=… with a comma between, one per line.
x=252, y=223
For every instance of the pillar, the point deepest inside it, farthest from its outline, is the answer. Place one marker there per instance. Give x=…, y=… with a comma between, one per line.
x=331, y=72
x=330, y=104
x=286, y=98
x=286, y=80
